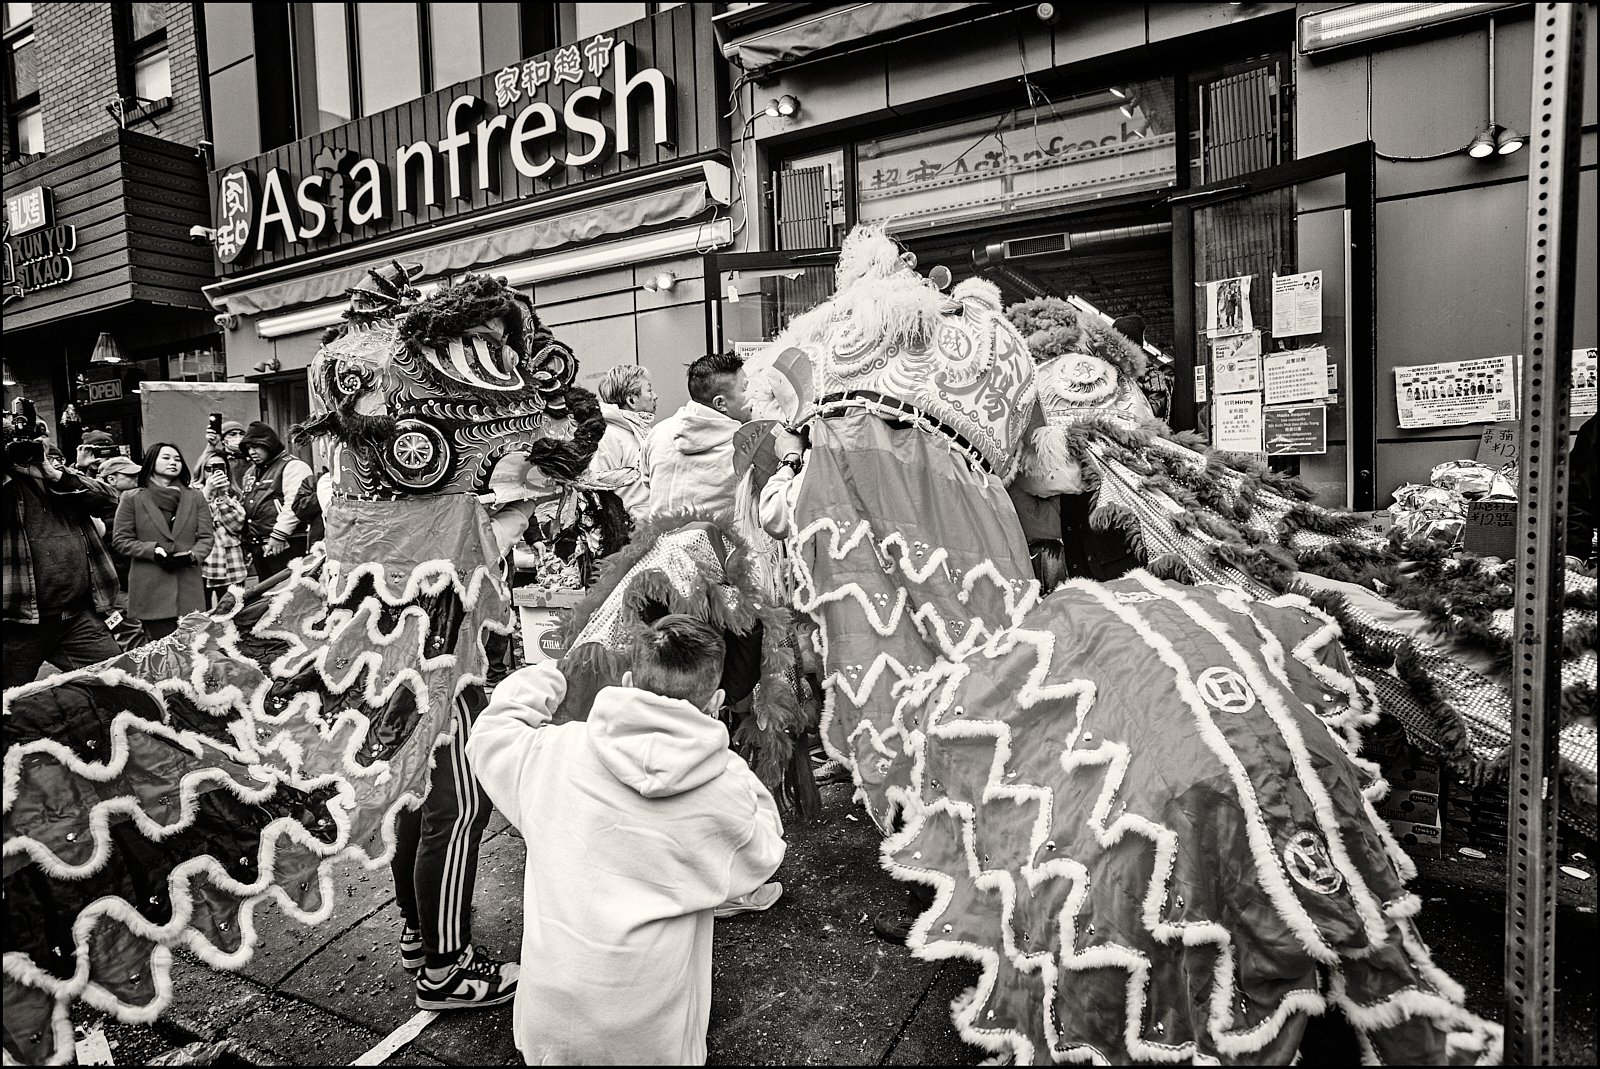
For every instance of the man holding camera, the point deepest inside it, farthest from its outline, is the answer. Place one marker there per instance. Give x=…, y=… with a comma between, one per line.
x=58, y=579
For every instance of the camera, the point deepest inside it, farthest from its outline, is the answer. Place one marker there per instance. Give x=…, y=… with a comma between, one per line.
x=24, y=432
x=103, y=452
x=214, y=423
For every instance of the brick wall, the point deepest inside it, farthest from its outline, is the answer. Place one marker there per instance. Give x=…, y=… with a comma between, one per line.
x=78, y=75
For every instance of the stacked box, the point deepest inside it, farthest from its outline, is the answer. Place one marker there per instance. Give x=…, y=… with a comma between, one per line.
x=1412, y=807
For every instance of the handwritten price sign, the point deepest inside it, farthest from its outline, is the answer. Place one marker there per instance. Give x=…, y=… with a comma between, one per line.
x=1498, y=445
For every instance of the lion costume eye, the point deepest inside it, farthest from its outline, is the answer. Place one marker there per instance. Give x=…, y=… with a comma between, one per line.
x=480, y=362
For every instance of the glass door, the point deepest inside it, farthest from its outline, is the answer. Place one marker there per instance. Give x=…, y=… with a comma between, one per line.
x=1273, y=276
x=750, y=297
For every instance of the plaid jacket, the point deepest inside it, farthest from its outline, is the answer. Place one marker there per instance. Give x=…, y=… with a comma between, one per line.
x=226, y=564
x=79, y=498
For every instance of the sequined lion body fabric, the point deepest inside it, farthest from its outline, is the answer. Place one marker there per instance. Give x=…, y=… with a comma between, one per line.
x=1139, y=803
x=161, y=799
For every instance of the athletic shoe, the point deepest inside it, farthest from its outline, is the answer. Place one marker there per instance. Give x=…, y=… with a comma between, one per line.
x=830, y=771
x=473, y=981
x=761, y=898
x=412, y=955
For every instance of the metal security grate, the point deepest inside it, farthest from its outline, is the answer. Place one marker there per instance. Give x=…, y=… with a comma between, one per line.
x=803, y=212
x=1239, y=123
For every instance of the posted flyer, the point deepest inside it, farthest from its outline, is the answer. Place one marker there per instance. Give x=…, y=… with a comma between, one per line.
x=1297, y=304
x=1298, y=375
x=1457, y=392
x=1238, y=423
x=1228, y=306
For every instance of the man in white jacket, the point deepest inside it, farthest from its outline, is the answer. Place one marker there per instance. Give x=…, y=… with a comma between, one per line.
x=628, y=403
x=688, y=457
x=639, y=822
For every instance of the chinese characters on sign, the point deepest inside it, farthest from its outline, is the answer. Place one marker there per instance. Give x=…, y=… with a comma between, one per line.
x=1583, y=384
x=1238, y=419
x=1297, y=375
x=1457, y=392
x=356, y=186
x=38, y=257
x=1296, y=430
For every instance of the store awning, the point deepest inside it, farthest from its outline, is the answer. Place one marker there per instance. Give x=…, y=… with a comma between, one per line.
x=593, y=222
x=806, y=35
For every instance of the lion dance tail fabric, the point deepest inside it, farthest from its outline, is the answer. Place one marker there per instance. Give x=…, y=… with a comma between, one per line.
x=1142, y=819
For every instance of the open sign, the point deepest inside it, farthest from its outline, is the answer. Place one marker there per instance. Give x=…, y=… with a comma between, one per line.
x=105, y=391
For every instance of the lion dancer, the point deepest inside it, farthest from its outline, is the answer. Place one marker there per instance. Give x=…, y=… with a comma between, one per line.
x=158, y=800
x=1134, y=803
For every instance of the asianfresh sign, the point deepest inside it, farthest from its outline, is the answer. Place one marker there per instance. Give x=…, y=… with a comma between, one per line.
x=36, y=247
x=564, y=111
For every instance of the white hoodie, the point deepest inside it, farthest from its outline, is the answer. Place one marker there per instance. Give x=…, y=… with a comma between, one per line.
x=688, y=459
x=622, y=446
x=638, y=822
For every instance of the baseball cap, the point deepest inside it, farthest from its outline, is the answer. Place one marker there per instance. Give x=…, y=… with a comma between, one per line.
x=96, y=438
x=118, y=466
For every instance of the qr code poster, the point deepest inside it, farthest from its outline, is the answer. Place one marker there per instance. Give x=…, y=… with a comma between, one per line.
x=1451, y=394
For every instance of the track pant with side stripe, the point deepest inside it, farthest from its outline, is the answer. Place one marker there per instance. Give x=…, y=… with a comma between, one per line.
x=436, y=853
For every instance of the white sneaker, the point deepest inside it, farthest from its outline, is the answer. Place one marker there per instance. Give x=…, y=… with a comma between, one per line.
x=761, y=898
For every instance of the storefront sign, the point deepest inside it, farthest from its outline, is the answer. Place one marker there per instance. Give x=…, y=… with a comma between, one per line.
x=359, y=188
x=110, y=390
x=30, y=210
x=37, y=252
x=1296, y=430
x=1461, y=391
x=1095, y=145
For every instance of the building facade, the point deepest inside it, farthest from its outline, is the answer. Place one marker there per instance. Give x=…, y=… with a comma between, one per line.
x=1178, y=162
x=104, y=181
x=580, y=150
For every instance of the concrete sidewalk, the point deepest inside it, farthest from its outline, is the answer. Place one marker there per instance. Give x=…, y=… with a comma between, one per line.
x=804, y=983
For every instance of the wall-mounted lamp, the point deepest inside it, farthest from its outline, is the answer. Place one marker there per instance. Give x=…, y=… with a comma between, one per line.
x=1118, y=92
x=266, y=367
x=783, y=107
x=107, y=351
x=1494, y=139
x=1049, y=14
x=661, y=282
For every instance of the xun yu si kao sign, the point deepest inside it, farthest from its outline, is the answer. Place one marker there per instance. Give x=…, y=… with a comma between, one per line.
x=37, y=248
x=349, y=191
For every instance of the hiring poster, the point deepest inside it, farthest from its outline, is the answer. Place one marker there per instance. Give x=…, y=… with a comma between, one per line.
x=1228, y=306
x=1238, y=423
x=1460, y=391
x=1298, y=375
x=1297, y=304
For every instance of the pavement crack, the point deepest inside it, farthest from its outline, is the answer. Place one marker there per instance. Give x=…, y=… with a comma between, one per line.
x=916, y=1007
x=286, y=977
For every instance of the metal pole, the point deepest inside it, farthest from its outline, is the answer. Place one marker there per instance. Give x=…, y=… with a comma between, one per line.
x=1541, y=522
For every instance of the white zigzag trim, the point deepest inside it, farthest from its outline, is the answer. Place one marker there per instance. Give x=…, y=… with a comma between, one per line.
x=1305, y=771
x=1261, y=847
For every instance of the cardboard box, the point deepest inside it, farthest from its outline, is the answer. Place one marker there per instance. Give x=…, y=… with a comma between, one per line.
x=542, y=637
x=1411, y=806
x=1415, y=772
x=1419, y=839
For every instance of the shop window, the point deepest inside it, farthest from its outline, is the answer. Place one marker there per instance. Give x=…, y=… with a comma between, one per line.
x=149, y=77
x=322, y=61
x=22, y=86
x=513, y=32
x=1115, y=140
x=590, y=19
x=809, y=196
x=390, y=47
x=456, y=40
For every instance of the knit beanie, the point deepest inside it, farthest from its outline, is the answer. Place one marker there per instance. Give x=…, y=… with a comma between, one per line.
x=231, y=425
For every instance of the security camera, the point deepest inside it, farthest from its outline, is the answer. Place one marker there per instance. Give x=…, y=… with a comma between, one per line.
x=202, y=233
x=226, y=320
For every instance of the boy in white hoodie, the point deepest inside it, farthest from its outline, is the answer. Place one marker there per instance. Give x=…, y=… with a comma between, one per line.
x=639, y=821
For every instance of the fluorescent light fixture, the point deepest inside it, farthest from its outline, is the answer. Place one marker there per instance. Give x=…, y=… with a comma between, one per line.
x=699, y=238
x=1116, y=92
x=1355, y=23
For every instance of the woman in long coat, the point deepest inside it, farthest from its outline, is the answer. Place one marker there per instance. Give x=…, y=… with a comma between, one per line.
x=165, y=528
